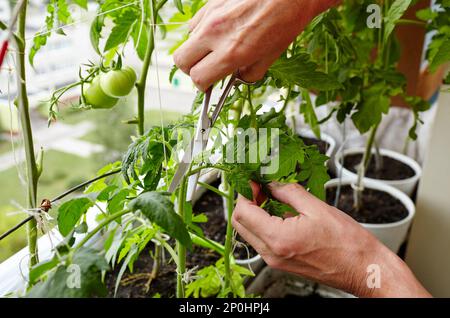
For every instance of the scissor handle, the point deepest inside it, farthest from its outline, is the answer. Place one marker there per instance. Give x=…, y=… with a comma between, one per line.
x=235, y=80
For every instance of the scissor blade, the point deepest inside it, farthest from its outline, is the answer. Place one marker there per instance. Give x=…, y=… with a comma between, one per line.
x=183, y=167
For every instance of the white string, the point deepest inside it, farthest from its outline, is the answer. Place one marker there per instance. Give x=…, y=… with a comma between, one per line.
x=62, y=27
x=159, y=86
x=16, y=162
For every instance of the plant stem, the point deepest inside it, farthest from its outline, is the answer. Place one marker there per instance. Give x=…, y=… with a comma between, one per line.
x=100, y=226
x=142, y=82
x=156, y=261
x=286, y=100
x=229, y=234
x=23, y=104
x=357, y=193
x=181, y=249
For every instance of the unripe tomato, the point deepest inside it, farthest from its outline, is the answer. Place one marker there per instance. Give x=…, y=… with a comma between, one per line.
x=96, y=97
x=118, y=83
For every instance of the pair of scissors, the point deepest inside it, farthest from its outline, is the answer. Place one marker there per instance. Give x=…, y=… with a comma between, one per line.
x=200, y=140
x=12, y=23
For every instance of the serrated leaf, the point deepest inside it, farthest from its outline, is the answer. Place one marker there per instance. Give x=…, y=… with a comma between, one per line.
x=121, y=30
x=289, y=155
x=300, y=70
x=396, y=11
x=159, y=209
x=70, y=212
x=314, y=170
x=372, y=107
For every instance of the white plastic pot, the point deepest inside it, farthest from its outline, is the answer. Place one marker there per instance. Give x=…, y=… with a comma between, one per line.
x=390, y=234
x=272, y=283
x=405, y=185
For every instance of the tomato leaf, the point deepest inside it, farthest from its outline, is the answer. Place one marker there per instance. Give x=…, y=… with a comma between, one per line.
x=374, y=104
x=396, y=11
x=81, y=277
x=159, y=209
x=95, y=32
x=121, y=30
x=300, y=70
x=442, y=56
x=179, y=6
x=70, y=212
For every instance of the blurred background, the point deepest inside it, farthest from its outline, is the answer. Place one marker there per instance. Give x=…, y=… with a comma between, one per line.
x=81, y=141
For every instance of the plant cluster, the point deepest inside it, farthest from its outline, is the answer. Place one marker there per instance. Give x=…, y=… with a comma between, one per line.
x=337, y=58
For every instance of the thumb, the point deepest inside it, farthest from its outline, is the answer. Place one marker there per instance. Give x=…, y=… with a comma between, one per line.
x=296, y=196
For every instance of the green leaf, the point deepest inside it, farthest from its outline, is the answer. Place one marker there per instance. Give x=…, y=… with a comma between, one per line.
x=276, y=208
x=118, y=200
x=40, y=39
x=396, y=11
x=70, y=212
x=442, y=56
x=372, y=107
x=140, y=39
x=314, y=170
x=121, y=30
x=79, y=278
x=240, y=180
x=179, y=6
x=159, y=209
x=95, y=32
x=309, y=114
x=82, y=3
x=300, y=70
x=41, y=268
x=289, y=155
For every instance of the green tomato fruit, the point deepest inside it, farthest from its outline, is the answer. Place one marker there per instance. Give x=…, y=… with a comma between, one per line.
x=118, y=83
x=96, y=97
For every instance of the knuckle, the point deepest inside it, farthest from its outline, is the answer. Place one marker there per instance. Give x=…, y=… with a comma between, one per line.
x=273, y=262
x=279, y=248
x=236, y=217
x=178, y=60
x=196, y=77
x=216, y=24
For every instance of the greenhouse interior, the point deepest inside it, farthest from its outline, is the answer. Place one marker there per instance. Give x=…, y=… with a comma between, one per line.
x=210, y=149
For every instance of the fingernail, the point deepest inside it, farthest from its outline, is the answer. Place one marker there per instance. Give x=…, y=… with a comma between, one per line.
x=276, y=184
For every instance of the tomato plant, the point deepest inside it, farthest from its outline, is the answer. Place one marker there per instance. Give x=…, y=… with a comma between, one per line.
x=332, y=59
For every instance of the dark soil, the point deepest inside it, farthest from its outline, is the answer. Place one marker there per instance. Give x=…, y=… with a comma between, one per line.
x=378, y=207
x=391, y=169
x=322, y=145
x=211, y=205
x=164, y=286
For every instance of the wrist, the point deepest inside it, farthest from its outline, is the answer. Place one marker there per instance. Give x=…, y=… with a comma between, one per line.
x=387, y=276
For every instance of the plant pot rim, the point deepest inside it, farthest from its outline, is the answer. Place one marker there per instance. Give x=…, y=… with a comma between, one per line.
x=308, y=133
x=380, y=186
x=388, y=153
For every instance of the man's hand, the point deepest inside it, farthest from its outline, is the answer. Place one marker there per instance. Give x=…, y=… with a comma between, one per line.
x=244, y=35
x=323, y=244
